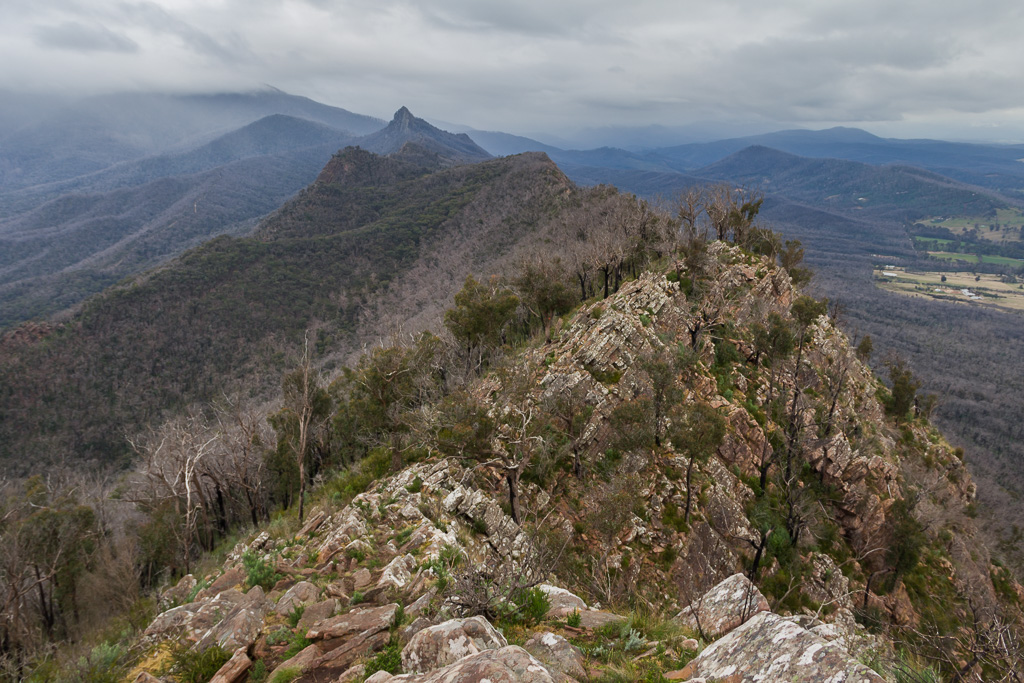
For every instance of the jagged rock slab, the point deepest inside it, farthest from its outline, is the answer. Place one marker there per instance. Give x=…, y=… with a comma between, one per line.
x=359, y=620
x=437, y=646
x=301, y=661
x=769, y=648
x=241, y=626
x=195, y=617
x=234, y=669
x=724, y=607
x=317, y=612
x=179, y=593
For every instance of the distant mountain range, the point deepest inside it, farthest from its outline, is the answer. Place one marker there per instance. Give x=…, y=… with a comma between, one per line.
x=66, y=239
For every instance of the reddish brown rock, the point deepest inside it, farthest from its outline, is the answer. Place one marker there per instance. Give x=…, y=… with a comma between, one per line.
x=234, y=669
x=357, y=621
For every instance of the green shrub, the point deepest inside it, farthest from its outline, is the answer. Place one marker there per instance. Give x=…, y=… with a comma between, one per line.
x=281, y=635
x=389, y=659
x=416, y=486
x=574, y=619
x=258, y=572
x=295, y=615
x=258, y=672
x=528, y=607
x=299, y=642
x=357, y=597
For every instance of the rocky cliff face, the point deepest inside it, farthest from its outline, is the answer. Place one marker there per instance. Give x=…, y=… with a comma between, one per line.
x=791, y=546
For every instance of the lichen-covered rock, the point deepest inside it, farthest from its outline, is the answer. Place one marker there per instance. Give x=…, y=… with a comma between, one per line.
x=563, y=603
x=362, y=579
x=729, y=604
x=301, y=593
x=194, y=618
x=705, y=561
x=768, y=648
x=344, y=527
x=440, y=645
x=826, y=583
x=241, y=626
x=510, y=664
x=397, y=573
x=178, y=594
x=556, y=651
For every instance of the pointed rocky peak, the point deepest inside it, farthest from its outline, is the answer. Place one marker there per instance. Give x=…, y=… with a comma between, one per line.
x=403, y=117
x=406, y=128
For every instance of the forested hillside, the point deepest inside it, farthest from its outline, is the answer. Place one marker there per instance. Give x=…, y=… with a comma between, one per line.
x=235, y=307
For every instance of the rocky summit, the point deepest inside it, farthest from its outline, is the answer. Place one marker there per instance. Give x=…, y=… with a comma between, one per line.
x=695, y=478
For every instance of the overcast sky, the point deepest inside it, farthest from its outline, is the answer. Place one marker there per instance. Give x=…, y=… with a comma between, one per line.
x=950, y=68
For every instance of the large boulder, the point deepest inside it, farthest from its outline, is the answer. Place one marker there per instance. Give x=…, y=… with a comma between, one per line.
x=317, y=612
x=557, y=652
x=511, y=664
x=563, y=603
x=241, y=626
x=726, y=606
x=770, y=648
x=446, y=643
x=301, y=593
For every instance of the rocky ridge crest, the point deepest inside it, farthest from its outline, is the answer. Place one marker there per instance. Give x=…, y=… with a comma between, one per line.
x=377, y=574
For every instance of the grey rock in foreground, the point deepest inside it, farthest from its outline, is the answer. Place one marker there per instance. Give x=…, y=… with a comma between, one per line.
x=770, y=648
x=511, y=664
x=726, y=606
x=437, y=646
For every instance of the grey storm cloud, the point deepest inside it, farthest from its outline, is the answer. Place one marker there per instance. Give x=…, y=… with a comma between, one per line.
x=537, y=64
x=78, y=37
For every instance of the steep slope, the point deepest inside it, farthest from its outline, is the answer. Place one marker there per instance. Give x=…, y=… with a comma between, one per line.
x=406, y=128
x=238, y=306
x=855, y=527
